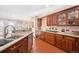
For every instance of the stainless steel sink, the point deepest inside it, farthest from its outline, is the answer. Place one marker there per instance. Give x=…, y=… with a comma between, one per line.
x=9, y=39
x=14, y=37
x=4, y=41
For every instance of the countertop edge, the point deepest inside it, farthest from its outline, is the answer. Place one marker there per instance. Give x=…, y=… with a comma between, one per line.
x=67, y=34
x=2, y=48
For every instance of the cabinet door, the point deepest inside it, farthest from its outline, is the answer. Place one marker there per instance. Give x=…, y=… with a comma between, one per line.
x=63, y=44
x=39, y=22
x=23, y=46
x=77, y=45
x=52, y=19
x=30, y=42
x=62, y=18
x=11, y=50
x=18, y=47
x=55, y=20
x=73, y=15
x=49, y=20
x=42, y=36
x=50, y=38
x=60, y=41
x=70, y=44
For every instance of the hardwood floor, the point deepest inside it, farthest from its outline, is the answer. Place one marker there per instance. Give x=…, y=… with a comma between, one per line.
x=43, y=47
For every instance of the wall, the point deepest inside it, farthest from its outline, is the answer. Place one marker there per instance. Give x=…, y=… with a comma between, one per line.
x=44, y=23
x=59, y=28
x=26, y=25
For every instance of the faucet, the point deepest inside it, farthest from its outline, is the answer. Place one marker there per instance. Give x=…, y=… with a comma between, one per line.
x=6, y=30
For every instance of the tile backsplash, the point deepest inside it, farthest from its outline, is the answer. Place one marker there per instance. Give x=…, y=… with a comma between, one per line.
x=68, y=29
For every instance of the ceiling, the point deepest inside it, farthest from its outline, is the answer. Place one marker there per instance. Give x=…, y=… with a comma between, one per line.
x=25, y=11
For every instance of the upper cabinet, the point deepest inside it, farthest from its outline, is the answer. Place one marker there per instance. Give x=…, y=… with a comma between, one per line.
x=55, y=20
x=73, y=16
x=49, y=20
x=52, y=20
x=68, y=16
x=62, y=18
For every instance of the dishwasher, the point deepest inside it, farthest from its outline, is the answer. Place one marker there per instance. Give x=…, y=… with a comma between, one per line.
x=30, y=42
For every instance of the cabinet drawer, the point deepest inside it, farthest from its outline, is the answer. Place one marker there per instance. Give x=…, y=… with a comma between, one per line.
x=59, y=36
x=50, y=34
x=70, y=38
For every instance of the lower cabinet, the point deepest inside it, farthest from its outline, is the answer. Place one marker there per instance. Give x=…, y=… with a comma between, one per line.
x=70, y=44
x=42, y=36
x=50, y=38
x=60, y=41
x=21, y=46
x=30, y=42
x=77, y=45
x=66, y=43
x=18, y=47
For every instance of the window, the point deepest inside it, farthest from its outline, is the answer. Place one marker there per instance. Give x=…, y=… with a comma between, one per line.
x=11, y=22
x=1, y=27
x=18, y=25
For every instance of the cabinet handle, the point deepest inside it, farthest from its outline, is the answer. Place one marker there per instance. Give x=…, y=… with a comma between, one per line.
x=76, y=44
x=76, y=47
x=13, y=48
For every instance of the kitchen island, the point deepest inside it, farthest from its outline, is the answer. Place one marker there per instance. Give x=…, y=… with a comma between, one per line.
x=19, y=45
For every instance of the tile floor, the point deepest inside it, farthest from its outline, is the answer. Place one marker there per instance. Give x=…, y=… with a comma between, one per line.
x=43, y=47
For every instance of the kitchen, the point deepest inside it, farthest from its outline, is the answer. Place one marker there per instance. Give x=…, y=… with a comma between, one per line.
x=56, y=26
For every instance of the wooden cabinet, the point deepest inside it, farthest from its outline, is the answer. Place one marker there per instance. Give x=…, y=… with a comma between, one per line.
x=49, y=20
x=62, y=18
x=52, y=19
x=18, y=47
x=39, y=22
x=60, y=42
x=42, y=36
x=50, y=38
x=66, y=43
x=68, y=16
x=70, y=44
x=21, y=46
x=55, y=20
x=30, y=42
x=73, y=16
x=77, y=45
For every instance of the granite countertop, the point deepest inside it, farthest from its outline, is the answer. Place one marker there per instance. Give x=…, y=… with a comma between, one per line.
x=24, y=34
x=64, y=33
